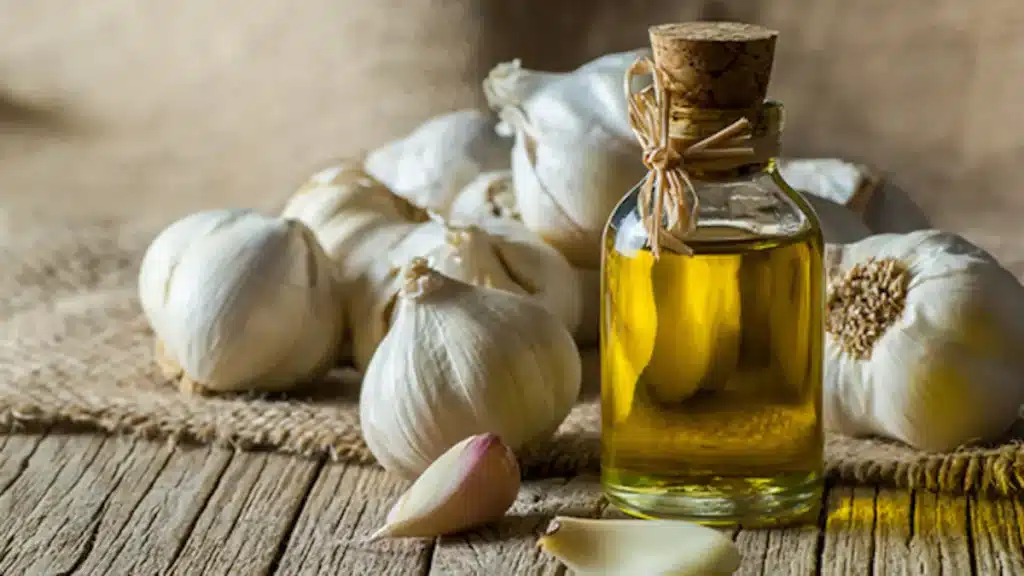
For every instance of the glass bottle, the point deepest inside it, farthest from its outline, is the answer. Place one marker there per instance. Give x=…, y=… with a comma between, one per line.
x=712, y=361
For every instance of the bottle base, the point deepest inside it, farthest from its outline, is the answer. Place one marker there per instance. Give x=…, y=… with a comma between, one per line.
x=717, y=501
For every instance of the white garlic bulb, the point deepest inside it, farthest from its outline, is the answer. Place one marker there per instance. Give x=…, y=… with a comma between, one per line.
x=494, y=252
x=241, y=301
x=353, y=215
x=432, y=164
x=923, y=343
x=574, y=155
x=461, y=360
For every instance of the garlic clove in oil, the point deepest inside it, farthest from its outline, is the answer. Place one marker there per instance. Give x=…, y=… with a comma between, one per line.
x=648, y=547
x=473, y=483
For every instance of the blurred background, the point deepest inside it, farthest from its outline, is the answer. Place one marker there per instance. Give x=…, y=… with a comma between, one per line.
x=119, y=109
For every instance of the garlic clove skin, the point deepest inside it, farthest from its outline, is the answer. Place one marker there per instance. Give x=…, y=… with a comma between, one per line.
x=473, y=483
x=574, y=153
x=495, y=253
x=241, y=301
x=462, y=360
x=649, y=547
x=490, y=194
x=432, y=164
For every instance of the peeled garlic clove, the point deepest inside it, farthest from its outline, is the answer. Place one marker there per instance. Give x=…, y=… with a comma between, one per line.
x=473, y=483
x=241, y=301
x=649, y=547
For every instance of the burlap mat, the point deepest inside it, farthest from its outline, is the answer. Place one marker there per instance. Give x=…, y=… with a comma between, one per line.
x=75, y=349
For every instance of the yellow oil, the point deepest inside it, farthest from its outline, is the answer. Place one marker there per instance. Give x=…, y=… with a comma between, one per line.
x=712, y=379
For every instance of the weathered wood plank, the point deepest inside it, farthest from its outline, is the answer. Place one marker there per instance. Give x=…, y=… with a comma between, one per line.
x=143, y=528
x=996, y=533
x=510, y=546
x=14, y=459
x=790, y=550
x=850, y=522
x=56, y=504
x=249, y=517
x=346, y=505
x=940, y=543
x=894, y=527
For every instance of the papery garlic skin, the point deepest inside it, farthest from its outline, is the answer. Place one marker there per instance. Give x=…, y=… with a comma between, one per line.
x=241, y=301
x=648, y=547
x=353, y=215
x=490, y=195
x=574, y=152
x=433, y=163
x=461, y=360
x=947, y=370
x=473, y=483
x=497, y=253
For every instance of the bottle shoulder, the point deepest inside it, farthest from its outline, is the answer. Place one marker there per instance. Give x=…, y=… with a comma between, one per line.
x=760, y=205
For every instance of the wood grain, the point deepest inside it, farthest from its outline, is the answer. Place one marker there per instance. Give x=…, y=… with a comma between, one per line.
x=940, y=543
x=894, y=528
x=996, y=536
x=249, y=516
x=510, y=546
x=142, y=530
x=346, y=504
x=850, y=523
x=47, y=512
x=93, y=505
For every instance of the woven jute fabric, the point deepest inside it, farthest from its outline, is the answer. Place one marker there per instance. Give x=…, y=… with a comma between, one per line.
x=76, y=350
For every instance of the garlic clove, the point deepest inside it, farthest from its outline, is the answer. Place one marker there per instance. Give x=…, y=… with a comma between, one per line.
x=649, y=547
x=472, y=483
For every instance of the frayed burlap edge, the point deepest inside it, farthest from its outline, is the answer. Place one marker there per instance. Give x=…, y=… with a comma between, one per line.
x=293, y=428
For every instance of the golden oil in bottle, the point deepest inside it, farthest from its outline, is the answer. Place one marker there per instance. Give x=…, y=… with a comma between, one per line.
x=711, y=378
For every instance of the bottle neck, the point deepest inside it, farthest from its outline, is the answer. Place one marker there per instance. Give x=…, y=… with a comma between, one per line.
x=688, y=126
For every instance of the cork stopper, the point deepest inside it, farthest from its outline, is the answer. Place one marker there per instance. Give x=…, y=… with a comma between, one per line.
x=715, y=65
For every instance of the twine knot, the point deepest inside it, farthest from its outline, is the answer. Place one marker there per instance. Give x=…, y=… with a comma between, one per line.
x=668, y=201
x=659, y=158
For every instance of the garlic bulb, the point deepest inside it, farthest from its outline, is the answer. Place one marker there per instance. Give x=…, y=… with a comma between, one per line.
x=353, y=215
x=923, y=342
x=241, y=301
x=461, y=360
x=839, y=224
x=489, y=195
x=472, y=483
x=842, y=182
x=574, y=155
x=495, y=253
x=441, y=156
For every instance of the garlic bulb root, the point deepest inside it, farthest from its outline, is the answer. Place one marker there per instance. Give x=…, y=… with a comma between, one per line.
x=922, y=341
x=241, y=302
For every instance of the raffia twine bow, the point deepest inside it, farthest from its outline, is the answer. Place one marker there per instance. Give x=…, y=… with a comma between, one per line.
x=668, y=201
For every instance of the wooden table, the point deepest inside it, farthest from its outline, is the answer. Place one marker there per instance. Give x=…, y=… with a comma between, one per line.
x=85, y=504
